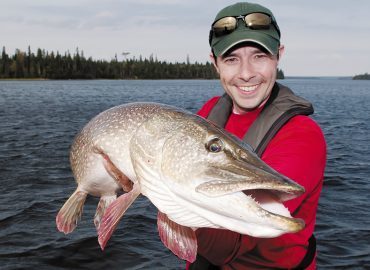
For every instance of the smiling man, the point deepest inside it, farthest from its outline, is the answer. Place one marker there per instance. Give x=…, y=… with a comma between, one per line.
x=247, y=74
x=245, y=43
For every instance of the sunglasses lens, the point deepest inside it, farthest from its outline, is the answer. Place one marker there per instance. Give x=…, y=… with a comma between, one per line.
x=257, y=21
x=224, y=26
x=253, y=21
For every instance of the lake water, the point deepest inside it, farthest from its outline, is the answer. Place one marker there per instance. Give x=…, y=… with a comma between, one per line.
x=38, y=120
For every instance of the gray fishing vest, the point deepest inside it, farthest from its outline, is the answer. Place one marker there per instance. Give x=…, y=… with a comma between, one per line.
x=282, y=105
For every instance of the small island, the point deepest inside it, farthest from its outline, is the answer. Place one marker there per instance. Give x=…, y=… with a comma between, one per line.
x=365, y=76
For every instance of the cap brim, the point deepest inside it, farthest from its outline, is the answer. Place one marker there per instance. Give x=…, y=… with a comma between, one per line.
x=225, y=43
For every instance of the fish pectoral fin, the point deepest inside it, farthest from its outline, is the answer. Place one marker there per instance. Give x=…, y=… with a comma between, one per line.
x=179, y=239
x=114, y=172
x=114, y=213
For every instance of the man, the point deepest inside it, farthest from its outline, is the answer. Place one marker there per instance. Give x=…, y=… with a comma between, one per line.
x=245, y=42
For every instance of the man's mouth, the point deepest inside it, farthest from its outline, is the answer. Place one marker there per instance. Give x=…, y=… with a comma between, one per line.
x=248, y=89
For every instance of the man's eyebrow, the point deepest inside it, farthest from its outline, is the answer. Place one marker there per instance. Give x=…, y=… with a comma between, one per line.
x=228, y=55
x=258, y=50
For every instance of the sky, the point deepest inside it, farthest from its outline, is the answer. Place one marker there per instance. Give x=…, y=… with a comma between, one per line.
x=321, y=37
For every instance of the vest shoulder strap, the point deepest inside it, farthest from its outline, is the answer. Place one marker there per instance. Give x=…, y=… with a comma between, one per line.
x=221, y=111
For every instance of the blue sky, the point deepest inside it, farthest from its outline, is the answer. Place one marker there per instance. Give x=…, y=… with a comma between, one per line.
x=321, y=37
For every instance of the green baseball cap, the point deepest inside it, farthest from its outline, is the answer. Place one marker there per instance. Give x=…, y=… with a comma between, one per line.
x=268, y=38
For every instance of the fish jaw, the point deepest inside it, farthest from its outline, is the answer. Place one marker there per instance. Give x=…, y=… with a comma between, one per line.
x=259, y=190
x=258, y=213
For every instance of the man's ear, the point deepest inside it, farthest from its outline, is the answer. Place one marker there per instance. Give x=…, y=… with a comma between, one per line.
x=214, y=61
x=281, y=51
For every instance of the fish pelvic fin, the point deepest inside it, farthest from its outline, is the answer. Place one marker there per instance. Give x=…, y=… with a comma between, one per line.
x=114, y=213
x=103, y=204
x=71, y=212
x=179, y=239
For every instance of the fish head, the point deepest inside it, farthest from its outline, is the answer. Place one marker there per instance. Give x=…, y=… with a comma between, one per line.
x=200, y=157
x=201, y=151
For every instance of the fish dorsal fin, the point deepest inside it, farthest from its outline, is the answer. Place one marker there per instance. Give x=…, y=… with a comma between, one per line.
x=179, y=239
x=114, y=213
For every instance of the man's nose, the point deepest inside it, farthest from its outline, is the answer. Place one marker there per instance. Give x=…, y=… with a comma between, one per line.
x=246, y=70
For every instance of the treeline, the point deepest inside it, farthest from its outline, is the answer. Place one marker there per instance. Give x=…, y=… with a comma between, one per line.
x=365, y=76
x=50, y=65
x=280, y=74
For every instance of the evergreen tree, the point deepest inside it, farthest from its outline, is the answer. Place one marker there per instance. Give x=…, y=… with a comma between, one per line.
x=4, y=65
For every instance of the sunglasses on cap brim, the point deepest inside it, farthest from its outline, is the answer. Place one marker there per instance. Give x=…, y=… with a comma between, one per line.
x=254, y=21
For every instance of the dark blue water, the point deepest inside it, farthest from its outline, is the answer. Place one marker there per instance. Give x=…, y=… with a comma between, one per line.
x=38, y=120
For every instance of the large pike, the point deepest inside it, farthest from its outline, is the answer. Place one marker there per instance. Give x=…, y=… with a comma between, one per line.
x=196, y=174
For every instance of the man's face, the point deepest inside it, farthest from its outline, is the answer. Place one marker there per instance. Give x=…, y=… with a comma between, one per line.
x=247, y=74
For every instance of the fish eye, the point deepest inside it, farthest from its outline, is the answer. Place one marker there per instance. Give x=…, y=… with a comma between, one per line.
x=215, y=145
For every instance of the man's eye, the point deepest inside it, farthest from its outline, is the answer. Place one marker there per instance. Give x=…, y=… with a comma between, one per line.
x=259, y=56
x=230, y=60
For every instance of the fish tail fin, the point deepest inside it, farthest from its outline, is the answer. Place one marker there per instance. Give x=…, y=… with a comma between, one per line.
x=104, y=202
x=181, y=240
x=113, y=215
x=71, y=212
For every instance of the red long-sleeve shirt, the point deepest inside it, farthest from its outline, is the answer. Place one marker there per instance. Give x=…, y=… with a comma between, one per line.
x=298, y=151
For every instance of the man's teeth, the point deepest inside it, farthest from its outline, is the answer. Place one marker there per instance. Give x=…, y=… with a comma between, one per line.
x=248, y=88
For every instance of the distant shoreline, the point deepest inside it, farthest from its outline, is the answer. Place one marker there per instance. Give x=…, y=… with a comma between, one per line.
x=24, y=79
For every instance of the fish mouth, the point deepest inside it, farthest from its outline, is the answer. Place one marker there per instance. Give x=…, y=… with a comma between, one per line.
x=269, y=204
x=265, y=190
